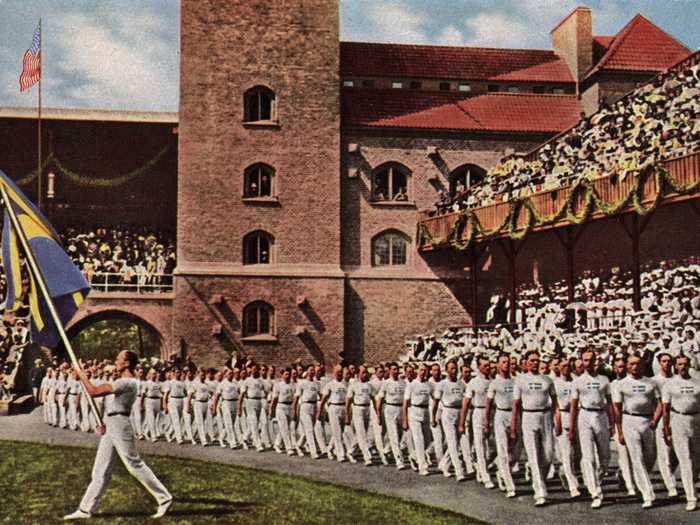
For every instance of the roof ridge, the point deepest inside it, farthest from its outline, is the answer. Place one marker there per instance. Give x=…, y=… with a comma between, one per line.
x=446, y=46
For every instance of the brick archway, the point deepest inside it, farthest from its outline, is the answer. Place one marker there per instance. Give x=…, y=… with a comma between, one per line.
x=152, y=312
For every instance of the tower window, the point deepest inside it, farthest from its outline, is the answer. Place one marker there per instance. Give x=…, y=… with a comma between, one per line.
x=258, y=181
x=390, y=249
x=258, y=319
x=257, y=248
x=390, y=183
x=259, y=105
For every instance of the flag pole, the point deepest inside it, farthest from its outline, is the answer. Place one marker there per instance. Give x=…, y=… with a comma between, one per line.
x=39, y=279
x=40, y=197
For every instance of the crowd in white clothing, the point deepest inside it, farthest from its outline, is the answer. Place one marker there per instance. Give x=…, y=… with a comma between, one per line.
x=463, y=421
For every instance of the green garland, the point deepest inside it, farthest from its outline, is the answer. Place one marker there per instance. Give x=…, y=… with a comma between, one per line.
x=92, y=182
x=467, y=227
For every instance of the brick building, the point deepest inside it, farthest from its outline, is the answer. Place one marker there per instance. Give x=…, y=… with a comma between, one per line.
x=303, y=161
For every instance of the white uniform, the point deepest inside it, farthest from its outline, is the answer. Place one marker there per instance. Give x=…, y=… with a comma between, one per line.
x=639, y=398
x=684, y=397
x=73, y=393
x=136, y=411
x=265, y=423
x=564, y=390
x=176, y=400
x=361, y=394
x=61, y=394
x=418, y=394
x=501, y=393
x=336, y=392
x=392, y=392
x=255, y=399
x=535, y=392
x=284, y=394
x=200, y=402
x=153, y=398
x=51, y=401
x=307, y=394
x=228, y=394
x=377, y=436
x=623, y=455
x=476, y=392
x=593, y=427
x=187, y=415
x=210, y=421
x=664, y=453
x=437, y=445
x=119, y=441
x=450, y=395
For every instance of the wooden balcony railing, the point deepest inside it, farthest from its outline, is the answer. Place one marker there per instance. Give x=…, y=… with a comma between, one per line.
x=487, y=222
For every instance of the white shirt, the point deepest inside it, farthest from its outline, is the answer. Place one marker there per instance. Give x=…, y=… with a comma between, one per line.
x=361, y=393
x=124, y=394
x=308, y=391
x=228, y=390
x=392, y=391
x=638, y=396
x=591, y=392
x=284, y=392
x=450, y=393
x=336, y=391
x=476, y=390
x=682, y=394
x=535, y=391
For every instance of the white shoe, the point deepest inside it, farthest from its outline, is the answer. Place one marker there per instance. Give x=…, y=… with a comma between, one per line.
x=489, y=485
x=351, y=459
x=631, y=492
x=574, y=493
x=77, y=515
x=510, y=494
x=597, y=502
x=244, y=445
x=691, y=506
x=446, y=473
x=673, y=493
x=368, y=463
x=162, y=509
x=300, y=452
x=290, y=452
x=539, y=502
x=260, y=449
x=423, y=472
x=315, y=456
x=647, y=504
x=385, y=462
x=277, y=449
x=461, y=478
x=516, y=468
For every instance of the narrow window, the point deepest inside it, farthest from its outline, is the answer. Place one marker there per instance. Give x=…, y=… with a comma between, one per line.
x=390, y=183
x=257, y=247
x=444, y=86
x=258, y=319
x=259, y=104
x=390, y=249
x=258, y=180
x=465, y=88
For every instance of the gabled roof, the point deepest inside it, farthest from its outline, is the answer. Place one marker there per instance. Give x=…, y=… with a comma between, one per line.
x=639, y=46
x=493, y=112
x=450, y=62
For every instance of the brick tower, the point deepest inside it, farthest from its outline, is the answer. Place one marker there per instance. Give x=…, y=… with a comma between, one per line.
x=259, y=181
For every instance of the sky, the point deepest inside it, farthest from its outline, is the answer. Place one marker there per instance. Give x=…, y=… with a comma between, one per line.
x=124, y=54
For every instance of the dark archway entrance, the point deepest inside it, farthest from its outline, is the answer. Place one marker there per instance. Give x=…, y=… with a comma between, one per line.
x=104, y=334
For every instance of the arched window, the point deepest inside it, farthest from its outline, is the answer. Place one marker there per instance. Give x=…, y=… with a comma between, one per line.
x=258, y=180
x=257, y=248
x=390, y=182
x=464, y=177
x=390, y=248
x=259, y=105
x=258, y=319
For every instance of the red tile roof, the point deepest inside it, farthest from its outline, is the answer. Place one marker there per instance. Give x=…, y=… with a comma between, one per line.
x=640, y=46
x=493, y=112
x=449, y=62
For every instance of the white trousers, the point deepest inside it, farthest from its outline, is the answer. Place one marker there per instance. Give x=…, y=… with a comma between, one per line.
x=175, y=412
x=392, y=421
x=566, y=451
x=60, y=401
x=594, y=440
x=639, y=438
x=335, y=419
x=72, y=416
x=119, y=441
x=684, y=434
x=283, y=414
x=228, y=409
x=200, y=409
x=480, y=444
x=664, y=458
x=418, y=423
x=538, y=441
x=137, y=418
x=501, y=431
x=152, y=409
x=450, y=420
x=307, y=413
x=360, y=421
x=253, y=411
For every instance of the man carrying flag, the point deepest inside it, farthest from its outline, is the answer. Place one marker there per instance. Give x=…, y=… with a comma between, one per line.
x=56, y=290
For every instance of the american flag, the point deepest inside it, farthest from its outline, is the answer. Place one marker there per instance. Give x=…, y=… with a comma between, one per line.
x=31, y=63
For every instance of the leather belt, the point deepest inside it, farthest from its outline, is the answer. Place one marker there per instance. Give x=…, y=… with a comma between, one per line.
x=504, y=409
x=232, y=399
x=591, y=409
x=360, y=404
x=452, y=407
x=177, y=397
x=72, y=394
x=118, y=414
x=258, y=398
x=202, y=400
x=337, y=404
x=648, y=416
x=310, y=402
x=419, y=406
x=535, y=409
x=478, y=406
x=394, y=404
x=153, y=397
x=684, y=413
x=284, y=402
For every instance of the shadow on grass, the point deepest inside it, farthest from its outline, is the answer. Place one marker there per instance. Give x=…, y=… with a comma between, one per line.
x=217, y=507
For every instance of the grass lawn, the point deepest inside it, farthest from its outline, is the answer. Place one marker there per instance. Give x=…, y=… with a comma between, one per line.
x=39, y=483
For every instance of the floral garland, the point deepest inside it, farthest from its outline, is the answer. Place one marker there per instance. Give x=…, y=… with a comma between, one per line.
x=467, y=227
x=93, y=182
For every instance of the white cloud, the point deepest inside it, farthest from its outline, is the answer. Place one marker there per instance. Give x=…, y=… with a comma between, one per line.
x=116, y=63
x=497, y=30
x=396, y=23
x=451, y=36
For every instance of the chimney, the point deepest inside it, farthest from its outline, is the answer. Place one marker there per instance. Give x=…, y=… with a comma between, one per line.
x=572, y=40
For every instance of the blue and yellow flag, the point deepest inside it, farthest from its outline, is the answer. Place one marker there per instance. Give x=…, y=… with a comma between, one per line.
x=66, y=284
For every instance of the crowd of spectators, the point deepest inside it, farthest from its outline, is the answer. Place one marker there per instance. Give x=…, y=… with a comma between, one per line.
x=123, y=257
x=14, y=338
x=657, y=121
x=601, y=317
